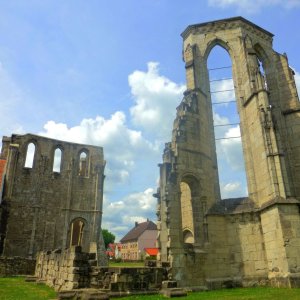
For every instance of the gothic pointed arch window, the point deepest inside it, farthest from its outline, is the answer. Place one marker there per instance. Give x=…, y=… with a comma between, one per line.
x=230, y=159
x=188, y=197
x=262, y=67
x=83, y=163
x=57, y=160
x=30, y=154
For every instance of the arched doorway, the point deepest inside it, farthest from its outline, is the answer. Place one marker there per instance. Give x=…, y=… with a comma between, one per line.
x=76, y=232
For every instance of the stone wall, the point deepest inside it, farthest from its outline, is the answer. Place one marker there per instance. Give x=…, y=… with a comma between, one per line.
x=64, y=270
x=51, y=203
x=128, y=279
x=73, y=269
x=11, y=266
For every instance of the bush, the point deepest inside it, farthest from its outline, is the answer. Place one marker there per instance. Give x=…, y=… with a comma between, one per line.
x=151, y=257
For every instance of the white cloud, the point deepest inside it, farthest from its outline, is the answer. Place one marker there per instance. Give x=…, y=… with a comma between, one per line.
x=120, y=216
x=156, y=98
x=252, y=6
x=121, y=145
x=232, y=190
x=231, y=149
x=227, y=94
x=220, y=130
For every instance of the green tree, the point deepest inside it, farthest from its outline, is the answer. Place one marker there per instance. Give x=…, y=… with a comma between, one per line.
x=108, y=237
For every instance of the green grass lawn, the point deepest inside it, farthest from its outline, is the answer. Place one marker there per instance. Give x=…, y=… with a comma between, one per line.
x=15, y=288
x=234, y=294
x=126, y=264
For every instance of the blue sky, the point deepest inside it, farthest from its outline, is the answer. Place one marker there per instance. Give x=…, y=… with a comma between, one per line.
x=110, y=73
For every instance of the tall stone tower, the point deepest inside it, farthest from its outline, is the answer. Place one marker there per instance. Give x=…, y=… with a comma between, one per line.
x=206, y=239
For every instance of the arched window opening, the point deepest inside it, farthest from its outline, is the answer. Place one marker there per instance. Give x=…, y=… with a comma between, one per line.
x=76, y=232
x=57, y=160
x=30, y=155
x=262, y=75
x=231, y=164
x=257, y=72
x=187, y=213
x=83, y=164
x=188, y=237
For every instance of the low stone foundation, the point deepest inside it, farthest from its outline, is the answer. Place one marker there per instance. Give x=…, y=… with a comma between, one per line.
x=10, y=266
x=123, y=279
x=65, y=270
x=73, y=269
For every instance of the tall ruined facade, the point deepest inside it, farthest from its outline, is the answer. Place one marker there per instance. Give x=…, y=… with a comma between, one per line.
x=52, y=194
x=209, y=241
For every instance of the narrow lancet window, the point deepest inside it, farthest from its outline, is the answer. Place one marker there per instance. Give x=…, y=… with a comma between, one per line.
x=83, y=164
x=30, y=156
x=57, y=160
x=187, y=213
x=231, y=165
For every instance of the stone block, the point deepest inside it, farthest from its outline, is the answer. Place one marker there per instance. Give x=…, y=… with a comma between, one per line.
x=169, y=284
x=94, y=295
x=174, y=292
x=70, y=295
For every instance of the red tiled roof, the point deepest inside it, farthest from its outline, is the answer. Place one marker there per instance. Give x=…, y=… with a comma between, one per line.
x=138, y=230
x=151, y=251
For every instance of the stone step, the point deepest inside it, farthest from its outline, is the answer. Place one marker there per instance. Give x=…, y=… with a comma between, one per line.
x=173, y=292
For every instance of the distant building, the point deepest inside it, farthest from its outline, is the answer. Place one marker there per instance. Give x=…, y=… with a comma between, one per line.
x=113, y=250
x=142, y=236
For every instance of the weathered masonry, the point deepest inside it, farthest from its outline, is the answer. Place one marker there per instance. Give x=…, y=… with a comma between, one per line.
x=52, y=195
x=209, y=241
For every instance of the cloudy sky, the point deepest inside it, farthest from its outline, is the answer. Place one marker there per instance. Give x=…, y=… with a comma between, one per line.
x=110, y=73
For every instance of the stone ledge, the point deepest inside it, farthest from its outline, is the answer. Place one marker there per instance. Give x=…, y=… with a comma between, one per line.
x=174, y=292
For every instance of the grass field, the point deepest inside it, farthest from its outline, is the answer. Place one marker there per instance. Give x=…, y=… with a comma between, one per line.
x=234, y=294
x=15, y=288
x=126, y=264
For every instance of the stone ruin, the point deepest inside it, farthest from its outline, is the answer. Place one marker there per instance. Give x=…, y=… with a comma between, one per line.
x=205, y=242
x=253, y=240
x=51, y=197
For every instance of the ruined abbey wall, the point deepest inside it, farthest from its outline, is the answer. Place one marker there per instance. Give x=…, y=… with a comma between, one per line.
x=243, y=241
x=54, y=201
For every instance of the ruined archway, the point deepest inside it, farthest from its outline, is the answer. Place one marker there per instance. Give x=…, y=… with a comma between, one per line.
x=230, y=159
x=203, y=238
x=188, y=198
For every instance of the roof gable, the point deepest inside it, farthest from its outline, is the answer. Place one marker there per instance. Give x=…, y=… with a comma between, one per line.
x=138, y=230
